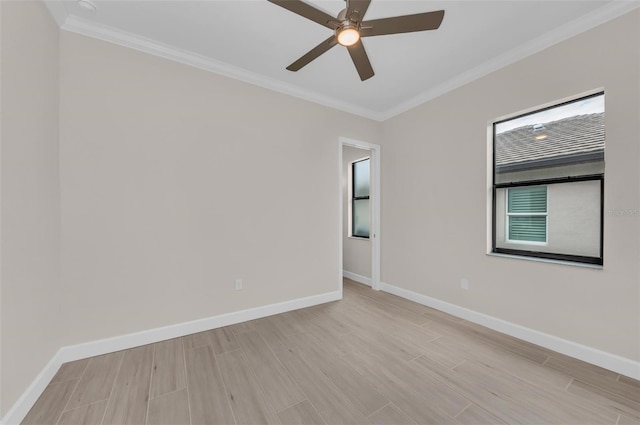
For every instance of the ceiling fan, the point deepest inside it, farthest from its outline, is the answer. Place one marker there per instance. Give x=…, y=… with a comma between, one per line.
x=349, y=28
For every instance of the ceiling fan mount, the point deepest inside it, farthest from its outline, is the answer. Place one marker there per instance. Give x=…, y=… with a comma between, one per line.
x=349, y=29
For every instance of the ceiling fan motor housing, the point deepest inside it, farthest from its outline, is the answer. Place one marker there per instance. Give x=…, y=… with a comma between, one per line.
x=349, y=30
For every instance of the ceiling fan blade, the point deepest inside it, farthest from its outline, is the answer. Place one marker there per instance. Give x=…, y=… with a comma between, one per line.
x=361, y=60
x=356, y=9
x=402, y=24
x=307, y=11
x=313, y=53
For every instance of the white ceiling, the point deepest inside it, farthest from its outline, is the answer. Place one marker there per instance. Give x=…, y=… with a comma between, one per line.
x=254, y=40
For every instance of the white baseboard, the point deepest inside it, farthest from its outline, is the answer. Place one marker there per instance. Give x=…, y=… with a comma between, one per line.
x=19, y=410
x=591, y=355
x=357, y=278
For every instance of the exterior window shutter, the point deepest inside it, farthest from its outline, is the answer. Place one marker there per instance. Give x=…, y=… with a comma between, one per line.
x=527, y=208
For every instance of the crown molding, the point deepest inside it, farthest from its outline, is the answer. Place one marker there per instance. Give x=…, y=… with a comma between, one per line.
x=87, y=28
x=562, y=33
x=109, y=34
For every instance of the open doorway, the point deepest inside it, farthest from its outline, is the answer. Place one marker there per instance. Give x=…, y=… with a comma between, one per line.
x=360, y=211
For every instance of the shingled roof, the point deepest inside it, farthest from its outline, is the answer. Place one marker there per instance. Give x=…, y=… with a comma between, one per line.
x=575, y=139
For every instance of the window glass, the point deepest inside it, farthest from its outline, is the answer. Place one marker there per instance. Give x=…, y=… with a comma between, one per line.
x=361, y=218
x=361, y=178
x=567, y=140
x=548, y=185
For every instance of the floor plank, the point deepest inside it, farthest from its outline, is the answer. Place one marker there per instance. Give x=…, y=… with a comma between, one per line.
x=201, y=339
x=223, y=339
x=51, y=403
x=302, y=413
x=555, y=406
x=390, y=415
x=168, y=368
x=440, y=397
x=413, y=404
x=474, y=415
x=170, y=409
x=390, y=310
x=328, y=400
x=207, y=395
x=71, y=370
x=288, y=323
x=626, y=420
x=128, y=401
x=628, y=381
x=89, y=414
x=245, y=394
x=280, y=390
x=499, y=403
x=97, y=381
x=599, y=397
x=386, y=298
x=473, y=349
x=363, y=396
x=604, y=380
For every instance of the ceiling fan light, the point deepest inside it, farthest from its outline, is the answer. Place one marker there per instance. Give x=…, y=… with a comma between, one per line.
x=348, y=36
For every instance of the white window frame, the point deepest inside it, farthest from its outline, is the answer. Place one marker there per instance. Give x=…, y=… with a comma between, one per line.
x=508, y=216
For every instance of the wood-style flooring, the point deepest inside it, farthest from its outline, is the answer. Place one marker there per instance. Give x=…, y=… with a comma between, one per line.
x=371, y=358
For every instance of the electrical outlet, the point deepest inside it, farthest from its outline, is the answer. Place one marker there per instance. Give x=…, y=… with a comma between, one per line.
x=238, y=284
x=464, y=284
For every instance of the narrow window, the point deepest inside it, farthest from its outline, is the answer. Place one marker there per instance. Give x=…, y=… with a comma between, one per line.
x=548, y=182
x=360, y=199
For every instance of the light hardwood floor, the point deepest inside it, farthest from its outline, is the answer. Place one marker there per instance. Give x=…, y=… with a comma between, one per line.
x=371, y=358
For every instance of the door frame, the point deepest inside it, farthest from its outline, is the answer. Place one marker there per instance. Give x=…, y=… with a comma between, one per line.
x=375, y=206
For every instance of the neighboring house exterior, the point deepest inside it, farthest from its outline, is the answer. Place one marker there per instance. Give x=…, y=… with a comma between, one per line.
x=551, y=217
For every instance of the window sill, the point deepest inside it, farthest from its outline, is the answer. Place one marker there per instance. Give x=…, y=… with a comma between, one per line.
x=547, y=260
x=359, y=238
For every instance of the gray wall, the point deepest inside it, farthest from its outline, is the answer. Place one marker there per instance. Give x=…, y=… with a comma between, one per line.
x=30, y=289
x=176, y=181
x=356, y=252
x=436, y=201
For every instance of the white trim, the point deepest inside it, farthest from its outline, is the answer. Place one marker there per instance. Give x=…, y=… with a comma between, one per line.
x=81, y=26
x=374, y=193
x=19, y=410
x=357, y=278
x=109, y=34
x=621, y=365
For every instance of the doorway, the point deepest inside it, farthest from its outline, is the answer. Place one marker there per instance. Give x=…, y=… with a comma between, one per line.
x=359, y=256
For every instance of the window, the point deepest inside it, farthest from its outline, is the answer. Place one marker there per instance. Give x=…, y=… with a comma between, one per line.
x=548, y=182
x=360, y=198
x=527, y=214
